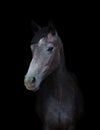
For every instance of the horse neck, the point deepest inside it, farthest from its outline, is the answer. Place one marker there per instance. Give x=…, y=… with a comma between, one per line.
x=58, y=79
x=61, y=71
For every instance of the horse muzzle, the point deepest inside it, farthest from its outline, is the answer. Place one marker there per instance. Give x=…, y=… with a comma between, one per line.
x=31, y=83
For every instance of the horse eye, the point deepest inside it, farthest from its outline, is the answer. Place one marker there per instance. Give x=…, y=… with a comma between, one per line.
x=50, y=49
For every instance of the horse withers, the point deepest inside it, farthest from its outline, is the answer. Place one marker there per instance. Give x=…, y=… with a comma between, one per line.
x=59, y=102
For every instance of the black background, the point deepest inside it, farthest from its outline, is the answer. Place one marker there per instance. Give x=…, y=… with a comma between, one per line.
x=74, y=24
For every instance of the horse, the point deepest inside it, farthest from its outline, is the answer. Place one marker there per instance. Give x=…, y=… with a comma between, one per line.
x=59, y=99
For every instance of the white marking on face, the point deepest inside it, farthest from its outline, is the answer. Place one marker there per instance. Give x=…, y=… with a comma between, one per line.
x=33, y=67
x=41, y=41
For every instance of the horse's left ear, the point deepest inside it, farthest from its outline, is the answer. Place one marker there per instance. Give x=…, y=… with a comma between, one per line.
x=35, y=27
x=51, y=28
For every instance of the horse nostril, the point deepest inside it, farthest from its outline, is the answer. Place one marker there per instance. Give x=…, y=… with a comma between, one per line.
x=33, y=80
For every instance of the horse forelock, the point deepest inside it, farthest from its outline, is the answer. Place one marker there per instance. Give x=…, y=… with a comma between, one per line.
x=40, y=34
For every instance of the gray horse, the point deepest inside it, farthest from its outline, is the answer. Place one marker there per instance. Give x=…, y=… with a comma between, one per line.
x=59, y=101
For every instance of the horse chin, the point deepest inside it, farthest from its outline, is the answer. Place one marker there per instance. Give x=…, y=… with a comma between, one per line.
x=34, y=89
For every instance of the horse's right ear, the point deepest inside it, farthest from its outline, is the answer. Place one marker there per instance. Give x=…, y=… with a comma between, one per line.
x=35, y=27
x=51, y=27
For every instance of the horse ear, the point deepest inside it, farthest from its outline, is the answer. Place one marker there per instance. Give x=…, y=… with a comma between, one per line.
x=51, y=28
x=35, y=27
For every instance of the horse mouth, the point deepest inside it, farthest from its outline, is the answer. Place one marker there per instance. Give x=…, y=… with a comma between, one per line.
x=31, y=87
